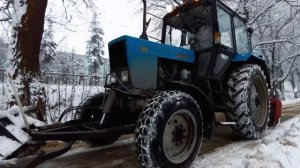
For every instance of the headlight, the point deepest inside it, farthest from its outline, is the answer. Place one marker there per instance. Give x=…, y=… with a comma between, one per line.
x=113, y=78
x=124, y=76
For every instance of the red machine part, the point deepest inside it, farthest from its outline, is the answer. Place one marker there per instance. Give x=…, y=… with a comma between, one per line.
x=275, y=112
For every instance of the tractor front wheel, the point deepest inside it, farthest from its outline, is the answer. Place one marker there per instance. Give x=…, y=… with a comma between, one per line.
x=169, y=131
x=91, y=113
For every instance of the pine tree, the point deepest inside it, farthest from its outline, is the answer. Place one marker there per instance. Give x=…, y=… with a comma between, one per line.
x=48, y=48
x=95, y=46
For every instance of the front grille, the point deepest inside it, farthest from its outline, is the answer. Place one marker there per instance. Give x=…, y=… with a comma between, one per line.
x=118, y=56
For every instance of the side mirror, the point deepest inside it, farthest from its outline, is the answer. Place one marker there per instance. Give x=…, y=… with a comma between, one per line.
x=250, y=30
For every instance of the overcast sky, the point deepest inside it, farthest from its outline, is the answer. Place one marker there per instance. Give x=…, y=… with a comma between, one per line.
x=118, y=17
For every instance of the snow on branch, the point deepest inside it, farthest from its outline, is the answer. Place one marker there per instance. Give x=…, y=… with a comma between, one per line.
x=292, y=5
x=291, y=65
x=263, y=11
x=156, y=5
x=271, y=42
x=5, y=14
x=290, y=57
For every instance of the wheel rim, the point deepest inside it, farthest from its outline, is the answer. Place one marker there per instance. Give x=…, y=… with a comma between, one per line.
x=259, y=101
x=180, y=136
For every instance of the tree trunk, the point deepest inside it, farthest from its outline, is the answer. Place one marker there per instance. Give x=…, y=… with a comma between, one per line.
x=293, y=82
x=26, y=37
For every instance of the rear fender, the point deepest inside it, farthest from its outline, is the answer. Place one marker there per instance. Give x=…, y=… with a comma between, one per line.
x=248, y=58
x=202, y=100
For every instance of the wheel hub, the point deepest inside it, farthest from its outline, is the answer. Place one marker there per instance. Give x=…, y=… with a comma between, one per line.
x=179, y=136
x=258, y=101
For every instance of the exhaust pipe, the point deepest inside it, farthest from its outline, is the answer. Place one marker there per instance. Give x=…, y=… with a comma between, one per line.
x=144, y=33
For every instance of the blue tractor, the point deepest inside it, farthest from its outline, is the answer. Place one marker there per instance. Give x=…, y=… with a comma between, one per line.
x=167, y=93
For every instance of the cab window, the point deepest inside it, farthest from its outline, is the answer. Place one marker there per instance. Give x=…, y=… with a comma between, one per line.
x=225, y=27
x=241, y=36
x=173, y=36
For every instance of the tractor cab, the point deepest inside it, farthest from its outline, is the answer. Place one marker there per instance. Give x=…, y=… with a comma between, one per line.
x=212, y=30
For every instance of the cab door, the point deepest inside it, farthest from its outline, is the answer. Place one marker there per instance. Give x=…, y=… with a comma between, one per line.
x=224, y=40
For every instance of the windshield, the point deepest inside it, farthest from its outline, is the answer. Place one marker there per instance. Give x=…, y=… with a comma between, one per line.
x=191, y=29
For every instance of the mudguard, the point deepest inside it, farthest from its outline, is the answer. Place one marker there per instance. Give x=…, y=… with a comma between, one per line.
x=252, y=59
x=203, y=101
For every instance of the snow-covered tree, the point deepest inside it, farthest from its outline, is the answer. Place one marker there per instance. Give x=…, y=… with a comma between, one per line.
x=27, y=31
x=95, y=46
x=48, y=48
x=275, y=34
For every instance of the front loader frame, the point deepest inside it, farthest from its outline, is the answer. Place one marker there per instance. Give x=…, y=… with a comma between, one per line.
x=76, y=129
x=72, y=131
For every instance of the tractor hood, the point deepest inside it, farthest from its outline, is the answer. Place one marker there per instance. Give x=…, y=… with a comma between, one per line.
x=148, y=48
x=140, y=57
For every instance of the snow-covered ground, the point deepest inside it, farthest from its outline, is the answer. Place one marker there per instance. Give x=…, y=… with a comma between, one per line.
x=280, y=148
x=7, y=146
x=291, y=101
x=60, y=97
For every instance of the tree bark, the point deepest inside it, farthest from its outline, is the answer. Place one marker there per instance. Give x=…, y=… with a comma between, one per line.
x=27, y=36
x=293, y=82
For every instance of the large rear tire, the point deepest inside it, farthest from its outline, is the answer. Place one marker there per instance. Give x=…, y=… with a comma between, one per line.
x=91, y=113
x=248, y=92
x=169, y=131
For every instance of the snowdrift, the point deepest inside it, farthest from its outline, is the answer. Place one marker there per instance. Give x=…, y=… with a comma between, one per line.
x=280, y=148
x=12, y=131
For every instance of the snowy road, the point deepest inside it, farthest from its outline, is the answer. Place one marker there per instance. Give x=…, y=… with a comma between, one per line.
x=222, y=150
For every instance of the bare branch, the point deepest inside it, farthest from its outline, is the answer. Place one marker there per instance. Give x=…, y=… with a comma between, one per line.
x=292, y=5
x=291, y=65
x=271, y=42
x=290, y=57
x=262, y=12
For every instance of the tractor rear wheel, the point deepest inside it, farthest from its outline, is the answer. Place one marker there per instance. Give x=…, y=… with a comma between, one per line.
x=248, y=92
x=91, y=113
x=169, y=131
